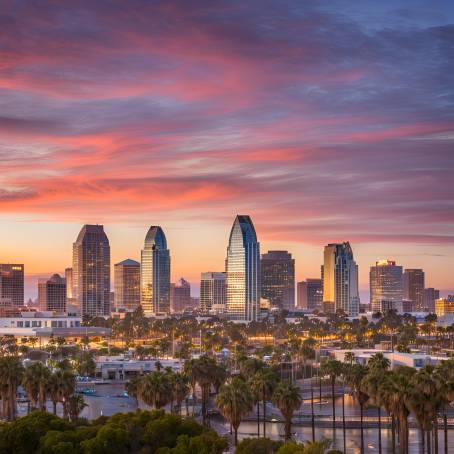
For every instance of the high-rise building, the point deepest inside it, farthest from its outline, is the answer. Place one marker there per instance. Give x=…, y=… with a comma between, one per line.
x=69, y=283
x=91, y=271
x=52, y=294
x=278, y=279
x=444, y=306
x=180, y=296
x=243, y=271
x=314, y=293
x=155, y=273
x=213, y=296
x=430, y=296
x=301, y=295
x=414, y=287
x=12, y=283
x=386, y=286
x=310, y=294
x=127, y=285
x=340, y=279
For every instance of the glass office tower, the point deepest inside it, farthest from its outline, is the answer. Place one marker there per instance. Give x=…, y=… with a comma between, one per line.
x=243, y=271
x=340, y=279
x=91, y=271
x=155, y=273
x=386, y=286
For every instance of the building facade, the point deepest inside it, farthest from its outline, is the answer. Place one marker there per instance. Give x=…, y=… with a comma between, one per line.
x=386, y=286
x=213, y=294
x=69, y=283
x=340, y=279
x=155, y=273
x=12, y=283
x=243, y=271
x=444, y=306
x=127, y=285
x=278, y=279
x=180, y=296
x=91, y=271
x=52, y=294
x=430, y=296
x=414, y=287
x=310, y=294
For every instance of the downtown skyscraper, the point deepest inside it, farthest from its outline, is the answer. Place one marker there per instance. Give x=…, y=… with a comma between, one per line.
x=52, y=294
x=340, y=279
x=414, y=287
x=386, y=286
x=155, y=273
x=12, y=283
x=278, y=279
x=127, y=285
x=213, y=293
x=91, y=271
x=243, y=271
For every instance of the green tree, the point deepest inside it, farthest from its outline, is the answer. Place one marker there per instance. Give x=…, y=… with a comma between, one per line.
x=11, y=372
x=155, y=389
x=263, y=384
x=257, y=446
x=333, y=369
x=287, y=398
x=235, y=401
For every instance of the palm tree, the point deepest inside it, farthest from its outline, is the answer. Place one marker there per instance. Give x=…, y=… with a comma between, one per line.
x=235, y=401
x=11, y=372
x=287, y=398
x=426, y=401
x=397, y=391
x=334, y=369
x=54, y=386
x=207, y=373
x=76, y=404
x=180, y=389
x=30, y=382
x=190, y=370
x=445, y=377
x=132, y=388
x=155, y=389
x=67, y=388
x=263, y=383
x=355, y=375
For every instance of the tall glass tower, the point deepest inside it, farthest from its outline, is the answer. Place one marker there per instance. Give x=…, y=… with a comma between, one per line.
x=91, y=271
x=243, y=271
x=155, y=273
x=340, y=279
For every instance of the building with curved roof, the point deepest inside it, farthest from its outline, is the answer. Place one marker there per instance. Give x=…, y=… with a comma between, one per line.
x=243, y=271
x=155, y=273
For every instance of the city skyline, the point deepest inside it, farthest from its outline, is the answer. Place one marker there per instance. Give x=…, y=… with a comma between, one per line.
x=32, y=279
x=321, y=137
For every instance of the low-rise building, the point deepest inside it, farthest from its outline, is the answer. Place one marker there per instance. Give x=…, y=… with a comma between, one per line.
x=46, y=325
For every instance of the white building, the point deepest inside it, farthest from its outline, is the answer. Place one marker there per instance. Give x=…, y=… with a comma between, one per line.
x=45, y=325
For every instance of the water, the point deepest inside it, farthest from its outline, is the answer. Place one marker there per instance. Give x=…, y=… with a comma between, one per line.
x=108, y=401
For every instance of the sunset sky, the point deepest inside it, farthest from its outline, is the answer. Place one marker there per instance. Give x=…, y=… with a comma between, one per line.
x=324, y=121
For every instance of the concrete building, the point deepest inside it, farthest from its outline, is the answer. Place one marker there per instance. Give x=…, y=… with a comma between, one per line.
x=12, y=282
x=243, y=271
x=310, y=294
x=69, y=283
x=386, y=286
x=278, y=279
x=213, y=296
x=91, y=271
x=52, y=294
x=47, y=325
x=414, y=287
x=444, y=306
x=430, y=296
x=180, y=296
x=340, y=279
x=155, y=273
x=127, y=285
